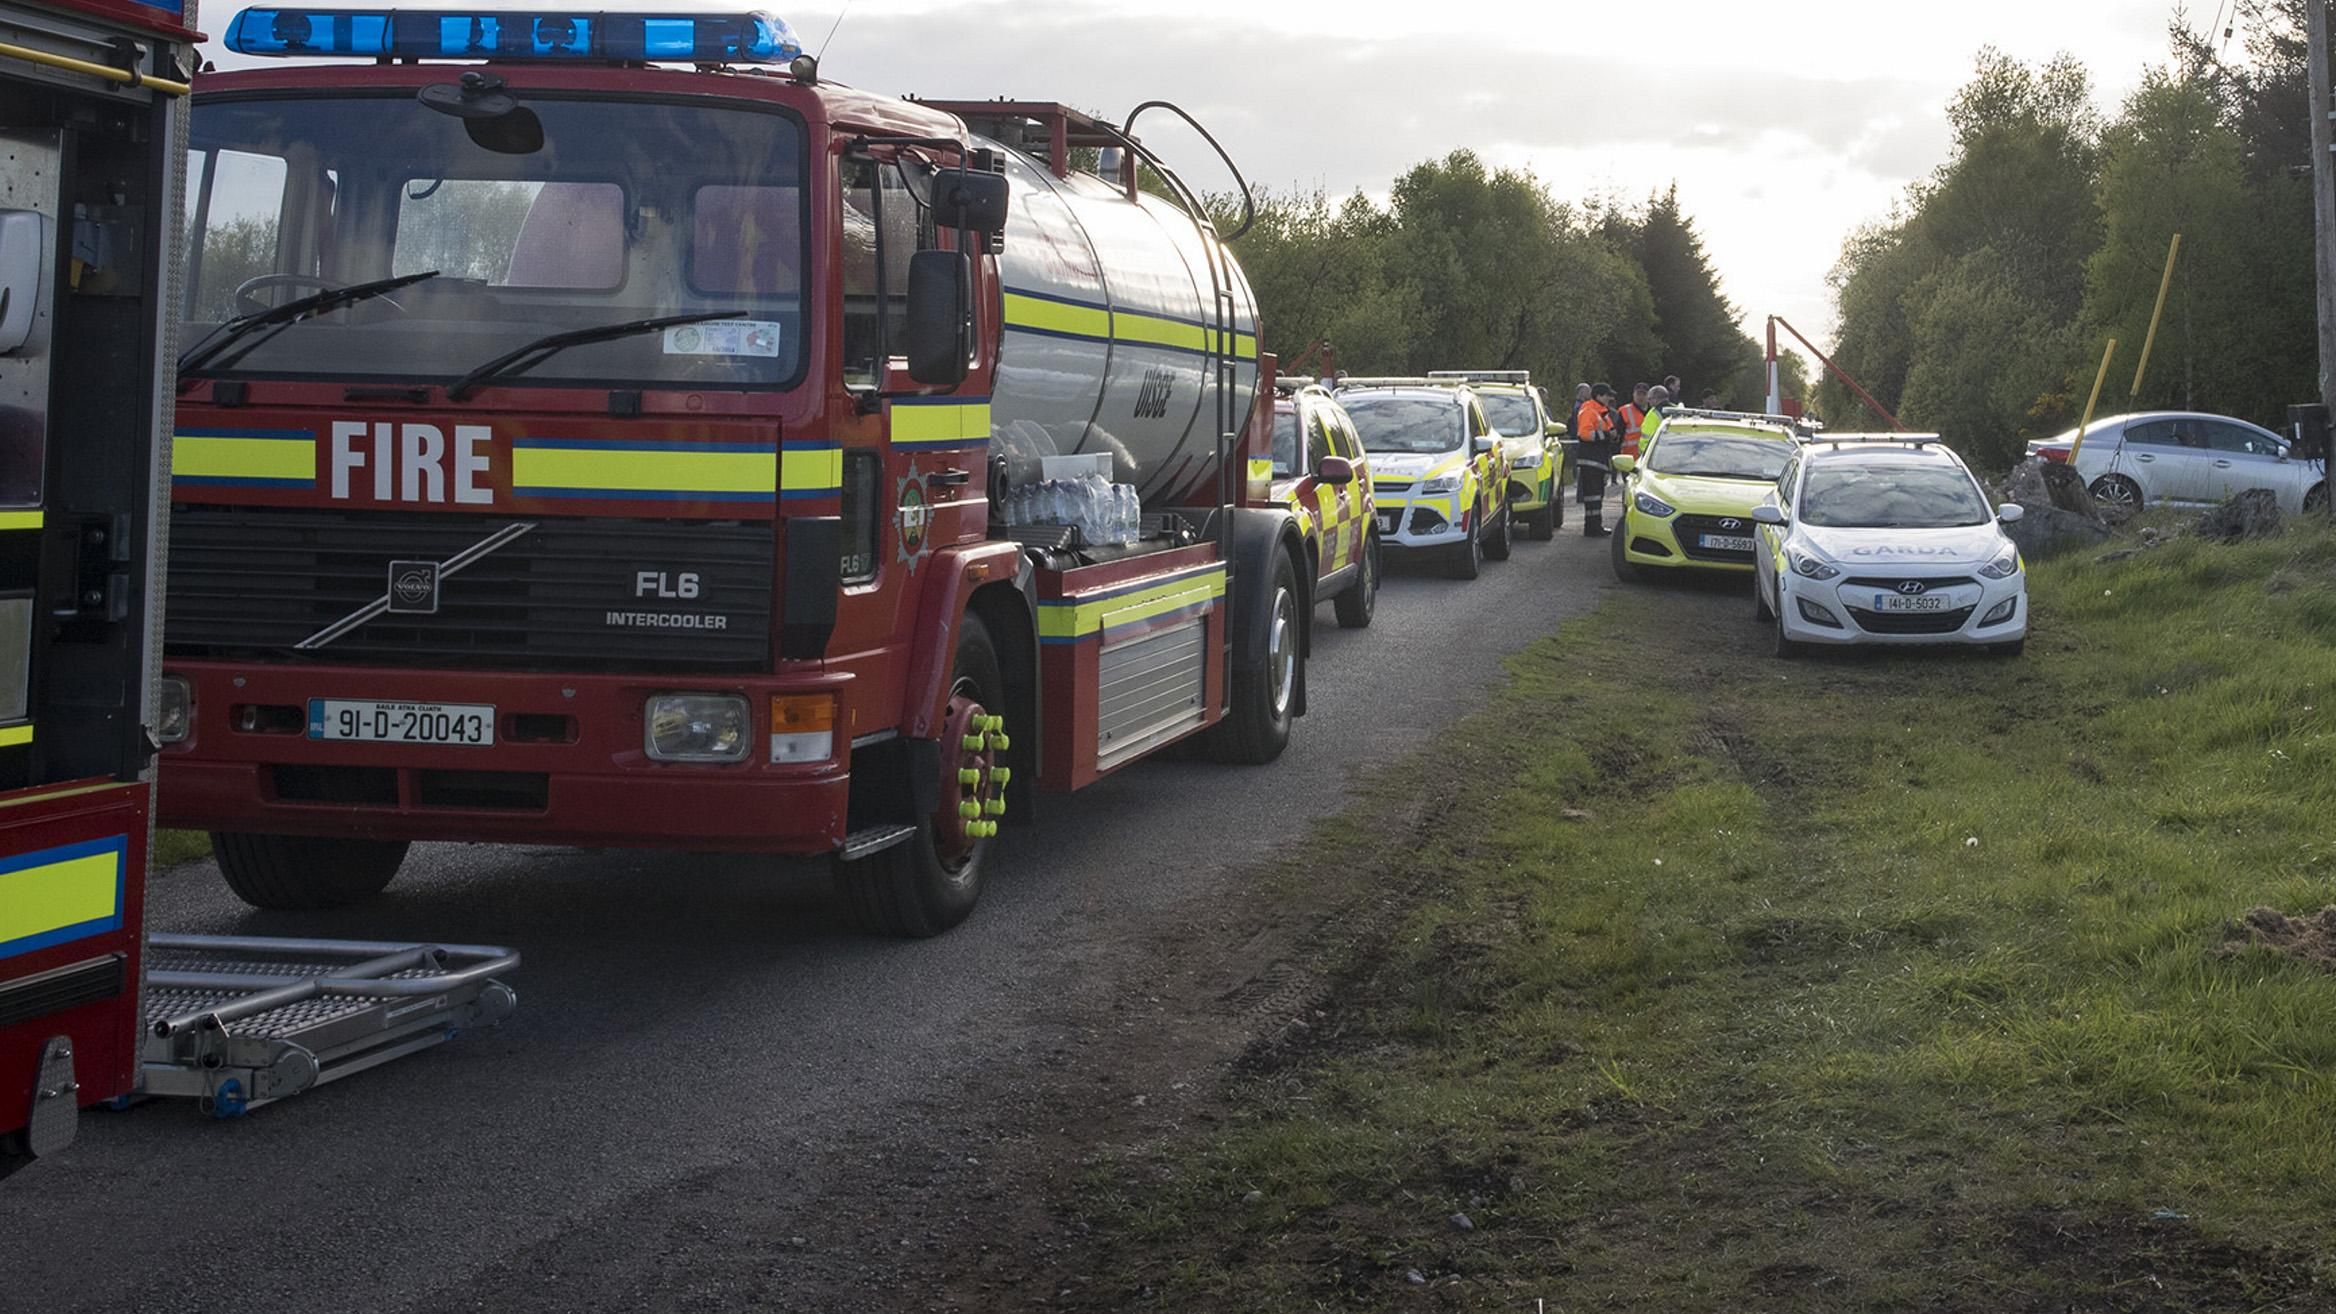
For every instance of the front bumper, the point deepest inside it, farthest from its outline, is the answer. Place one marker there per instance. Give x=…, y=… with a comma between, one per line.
x=568, y=765
x=1675, y=542
x=1441, y=521
x=1851, y=604
x=1532, y=490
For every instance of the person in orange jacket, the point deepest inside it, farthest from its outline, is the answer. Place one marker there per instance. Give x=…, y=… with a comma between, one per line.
x=1633, y=417
x=1600, y=426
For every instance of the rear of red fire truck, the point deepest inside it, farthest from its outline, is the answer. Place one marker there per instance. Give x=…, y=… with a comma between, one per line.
x=92, y=106
x=599, y=429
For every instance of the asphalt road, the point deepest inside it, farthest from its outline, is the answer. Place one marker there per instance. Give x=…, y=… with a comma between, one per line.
x=682, y=1016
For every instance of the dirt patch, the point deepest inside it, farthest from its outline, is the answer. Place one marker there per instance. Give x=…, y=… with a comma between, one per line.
x=2312, y=938
x=2136, y=1265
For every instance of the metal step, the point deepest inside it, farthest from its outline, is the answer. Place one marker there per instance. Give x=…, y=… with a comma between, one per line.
x=235, y=1022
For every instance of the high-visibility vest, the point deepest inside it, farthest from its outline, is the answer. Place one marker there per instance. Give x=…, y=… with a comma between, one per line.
x=1590, y=418
x=1632, y=418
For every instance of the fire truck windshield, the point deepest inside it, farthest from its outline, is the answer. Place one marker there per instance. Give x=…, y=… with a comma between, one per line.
x=628, y=210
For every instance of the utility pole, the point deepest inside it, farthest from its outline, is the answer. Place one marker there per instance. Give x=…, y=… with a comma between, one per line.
x=2323, y=202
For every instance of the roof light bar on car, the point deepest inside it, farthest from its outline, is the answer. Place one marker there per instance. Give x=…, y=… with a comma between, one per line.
x=742, y=38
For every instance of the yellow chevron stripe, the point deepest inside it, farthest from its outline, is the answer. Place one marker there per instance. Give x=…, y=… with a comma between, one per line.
x=932, y=424
x=51, y=897
x=15, y=736
x=806, y=472
x=242, y=458
x=648, y=471
x=19, y=520
x=1055, y=317
x=1061, y=621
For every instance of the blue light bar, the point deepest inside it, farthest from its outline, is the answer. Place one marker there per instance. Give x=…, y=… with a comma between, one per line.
x=748, y=38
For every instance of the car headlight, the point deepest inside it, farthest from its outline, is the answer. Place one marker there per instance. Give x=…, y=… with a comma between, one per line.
x=1441, y=484
x=2005, y=565
x=696, y=728
x=174, y=710
x=1528, y=461
x=1809, y=567
x=1653, y=506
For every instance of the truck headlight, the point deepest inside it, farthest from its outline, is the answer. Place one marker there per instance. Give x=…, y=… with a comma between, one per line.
x=1653, y=506
x=1809, y=567
x=174, y=710
x=1441, y=484
x=696, y=728
x=2005, y=565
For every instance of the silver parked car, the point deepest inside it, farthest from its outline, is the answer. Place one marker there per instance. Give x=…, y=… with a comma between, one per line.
x=2185, y=458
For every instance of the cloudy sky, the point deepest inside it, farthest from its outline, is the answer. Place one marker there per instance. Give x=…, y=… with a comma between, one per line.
x=1785, y=123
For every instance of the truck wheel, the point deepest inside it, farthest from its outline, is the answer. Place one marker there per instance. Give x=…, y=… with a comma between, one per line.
x=1624, y=569
x=1498, y=548
x=928, y=883
x=305, y=873
x=1355, y=606
x=1257, y=728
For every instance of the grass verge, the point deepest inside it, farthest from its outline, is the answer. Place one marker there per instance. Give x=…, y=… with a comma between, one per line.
x=1866, y=982
x=172, y=847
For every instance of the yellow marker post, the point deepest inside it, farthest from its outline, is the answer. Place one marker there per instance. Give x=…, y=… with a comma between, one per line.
x=2165, y=285
x=2090, y=403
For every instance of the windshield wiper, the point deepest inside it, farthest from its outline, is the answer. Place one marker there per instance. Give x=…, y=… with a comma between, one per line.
x=521, y=359
x=282, y=317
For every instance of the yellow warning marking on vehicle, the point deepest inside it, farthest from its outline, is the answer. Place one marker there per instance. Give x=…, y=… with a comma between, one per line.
x=61, y=894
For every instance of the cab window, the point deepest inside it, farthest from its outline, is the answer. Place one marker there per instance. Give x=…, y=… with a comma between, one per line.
x=1285, y=442
x=883, y=225
x=1317, y=441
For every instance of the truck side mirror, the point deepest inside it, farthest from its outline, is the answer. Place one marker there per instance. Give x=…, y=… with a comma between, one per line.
x=939, y=338
x=965, y=199
x=25, y=254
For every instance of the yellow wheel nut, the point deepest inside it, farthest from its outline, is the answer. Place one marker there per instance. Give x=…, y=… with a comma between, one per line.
x=969, y=777
x=1001, y=776
x=973, y=743
x=995, y=807
x=969, y=809
x=1001, y=743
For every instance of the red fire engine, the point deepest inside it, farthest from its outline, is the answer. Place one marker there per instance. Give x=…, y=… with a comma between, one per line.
x=600, y=429
x=92, y=106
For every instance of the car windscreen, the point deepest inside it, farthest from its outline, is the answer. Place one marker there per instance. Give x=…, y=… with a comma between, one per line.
x=1511, y=414
x=1891, y=495
x=621, y=209
x=1720, y=456
x=1285, y=442
x=1406, y=424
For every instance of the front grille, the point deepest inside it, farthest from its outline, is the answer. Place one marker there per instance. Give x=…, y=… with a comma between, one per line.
x=578, y=594
x=1389, y=486
x=1691, y=529
x=1889, y=584
x=1911, y=622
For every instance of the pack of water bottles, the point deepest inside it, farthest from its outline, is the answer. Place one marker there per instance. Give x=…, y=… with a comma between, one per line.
x=1105, y=513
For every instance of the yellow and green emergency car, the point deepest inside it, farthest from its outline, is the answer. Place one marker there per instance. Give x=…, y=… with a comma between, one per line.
x=1321, y=473
x=1535, y=441
x=1439, y=474
x=1687, y=497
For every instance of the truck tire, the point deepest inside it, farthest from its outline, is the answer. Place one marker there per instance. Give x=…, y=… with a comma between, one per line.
x=1498, y=548
x=305, y=873
x=929, y=883
x=1257, y=728
x=1355, y=606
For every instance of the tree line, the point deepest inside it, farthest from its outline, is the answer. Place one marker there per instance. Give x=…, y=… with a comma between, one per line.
x=1470, y=267
x=1982, y=306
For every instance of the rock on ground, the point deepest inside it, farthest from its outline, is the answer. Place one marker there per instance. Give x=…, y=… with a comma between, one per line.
x=2058, y=514
x=2251, y=514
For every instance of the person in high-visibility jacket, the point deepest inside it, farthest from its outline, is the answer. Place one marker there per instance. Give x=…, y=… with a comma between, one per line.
x=1600, y=426
x=1633, y=416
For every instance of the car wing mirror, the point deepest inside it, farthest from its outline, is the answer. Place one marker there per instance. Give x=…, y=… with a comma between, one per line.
x=1484, y=443
x=2010, y=512
x=1768, y=513
x=1623, y=464
x=1336, y=471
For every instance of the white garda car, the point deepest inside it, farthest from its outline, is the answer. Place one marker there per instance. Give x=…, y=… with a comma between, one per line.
x=1886, y=540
